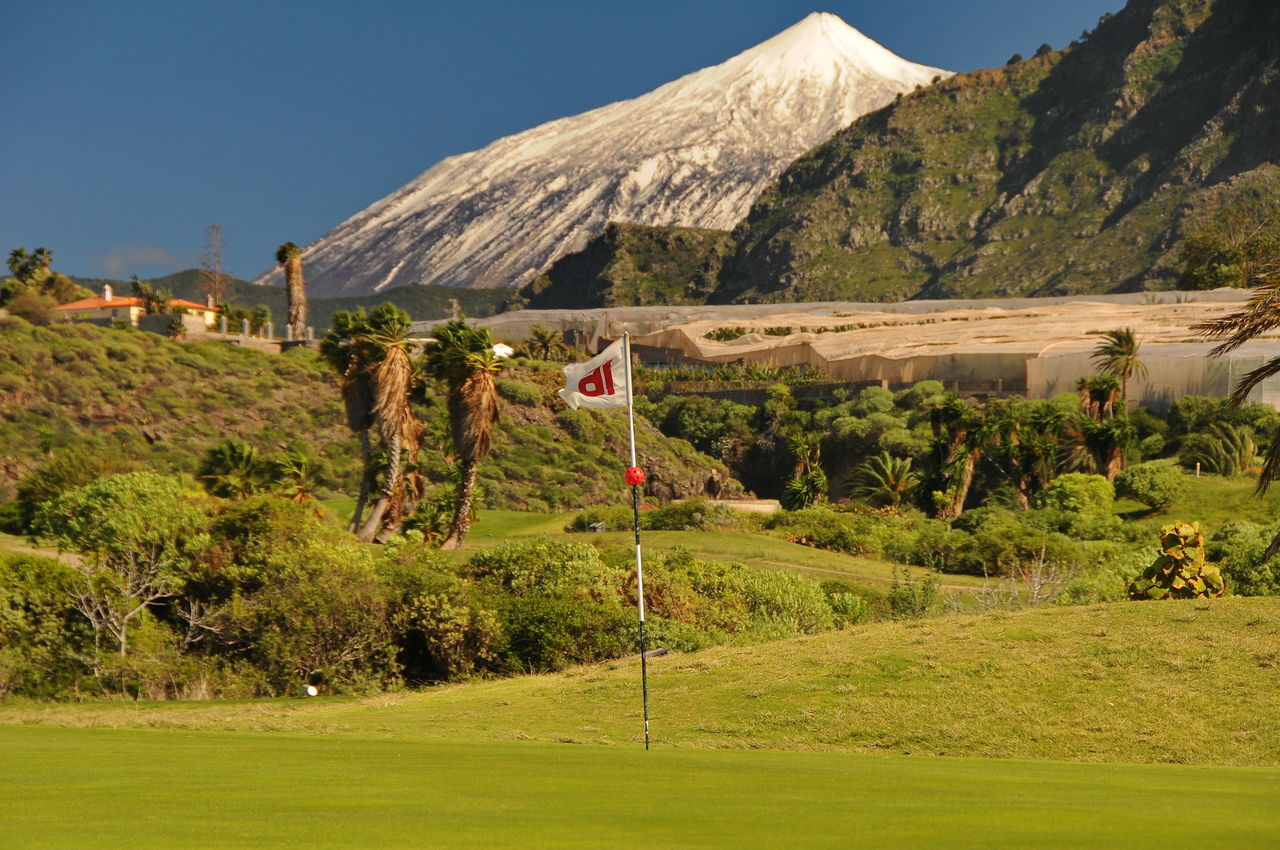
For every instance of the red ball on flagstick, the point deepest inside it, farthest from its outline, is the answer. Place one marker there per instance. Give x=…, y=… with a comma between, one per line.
x=635, y=476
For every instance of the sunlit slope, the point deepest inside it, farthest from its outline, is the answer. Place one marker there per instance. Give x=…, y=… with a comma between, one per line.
x=1178, y=682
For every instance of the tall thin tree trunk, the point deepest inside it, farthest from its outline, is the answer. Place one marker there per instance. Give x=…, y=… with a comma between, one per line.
x=366, y=480
x=462, y=510
x=295, y=291
x=373, y=524
x=963, y=483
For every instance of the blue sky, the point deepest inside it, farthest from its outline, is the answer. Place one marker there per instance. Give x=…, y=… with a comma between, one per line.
x=133, y=125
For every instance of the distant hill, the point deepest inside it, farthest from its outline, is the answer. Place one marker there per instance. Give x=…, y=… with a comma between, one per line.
x=420, y=302
x=633, y=264
x=1079, y=170
x=164, y=404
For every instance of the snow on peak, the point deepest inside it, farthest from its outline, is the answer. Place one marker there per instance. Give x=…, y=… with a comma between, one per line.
x=694, y=152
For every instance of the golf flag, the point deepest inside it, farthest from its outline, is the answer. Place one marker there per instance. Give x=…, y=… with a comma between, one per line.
x=599, y=383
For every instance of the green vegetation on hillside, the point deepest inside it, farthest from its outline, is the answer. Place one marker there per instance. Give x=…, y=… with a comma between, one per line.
x=634, y=264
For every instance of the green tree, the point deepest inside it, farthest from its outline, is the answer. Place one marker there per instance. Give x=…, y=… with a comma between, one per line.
x=1117, y=354
x=544, y=344
x=463, y=359
x=883, y=480
x=289, y=258
x=1239, y=245
x=233, y=470
x=134, y=534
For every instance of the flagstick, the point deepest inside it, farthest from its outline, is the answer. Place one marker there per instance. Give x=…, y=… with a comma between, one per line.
x=635, y=510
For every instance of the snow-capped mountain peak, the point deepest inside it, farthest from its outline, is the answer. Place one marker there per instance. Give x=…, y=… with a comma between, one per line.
x=694, y=152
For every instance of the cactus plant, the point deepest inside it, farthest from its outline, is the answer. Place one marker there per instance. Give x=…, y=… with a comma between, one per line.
x=1180, y=571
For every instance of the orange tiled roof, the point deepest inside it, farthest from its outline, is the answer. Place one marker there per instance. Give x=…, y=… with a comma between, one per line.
x=97, y=302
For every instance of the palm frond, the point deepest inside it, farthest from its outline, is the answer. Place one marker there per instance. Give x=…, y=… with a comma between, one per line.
x=1260, y=314
x=1251, y=379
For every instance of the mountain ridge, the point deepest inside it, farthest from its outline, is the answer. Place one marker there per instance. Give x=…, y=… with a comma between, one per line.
x=693, y=152
x=1076, y=171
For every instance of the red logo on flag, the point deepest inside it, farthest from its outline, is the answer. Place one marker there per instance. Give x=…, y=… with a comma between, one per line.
x=598, y=382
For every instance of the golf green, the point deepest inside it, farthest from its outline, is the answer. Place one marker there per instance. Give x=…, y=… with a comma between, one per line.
x=109, y=787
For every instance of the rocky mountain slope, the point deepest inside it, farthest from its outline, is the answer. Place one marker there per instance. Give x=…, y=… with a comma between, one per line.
x=1075, y=171
x=694, y=152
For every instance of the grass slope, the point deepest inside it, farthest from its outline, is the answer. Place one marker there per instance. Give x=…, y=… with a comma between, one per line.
x=168, y=789
x=1174, y=682
x=166, y=403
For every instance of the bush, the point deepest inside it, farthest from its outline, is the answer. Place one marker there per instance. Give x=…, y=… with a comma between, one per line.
x=861, y=532
x=1078, y=505
x=547, y=568
x=787, y=600
x=547, y=633
x=1237, y=547
x=42, y=638
x=1156, y=485
x=518, y=393
x=697, y=514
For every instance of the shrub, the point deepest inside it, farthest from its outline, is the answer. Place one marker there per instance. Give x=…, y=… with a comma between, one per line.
x=788, y=600
x=1237, y=547
x=822, y=527
x=697, y=514
x=519, y=393
x=42, y=637
x=1079, y=505
x=1156, y=485
x=551, y=632
x=912, y=598
x=546, y=567
x=1180, y=571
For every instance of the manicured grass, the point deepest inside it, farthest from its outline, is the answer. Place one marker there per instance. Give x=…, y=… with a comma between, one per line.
x=755, y=550
x=86, y=787
x=1212, y=500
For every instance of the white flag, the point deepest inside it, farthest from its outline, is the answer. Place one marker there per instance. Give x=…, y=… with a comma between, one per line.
x=599, y=383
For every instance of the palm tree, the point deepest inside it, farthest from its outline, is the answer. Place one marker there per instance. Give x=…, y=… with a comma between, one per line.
x=464, y=359
x=346, y=349
x=544, y=343
x=1260, y=314
x=960, y=438
x=391, y=370
x=883, y=480
x=1101, y=436
x=232, y=470
x=42, y=257
x=1024, y=442
x=289, y=258
x=1117, y=354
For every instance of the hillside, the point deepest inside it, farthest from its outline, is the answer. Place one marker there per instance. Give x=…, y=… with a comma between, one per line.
x=1079, y=170
x=632, y=264
x=140, y=396
x=1171, y=682
x=420, y=302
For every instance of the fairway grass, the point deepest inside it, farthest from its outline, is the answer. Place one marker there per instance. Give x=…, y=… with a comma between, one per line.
x=1186, y=682
x=93, y=787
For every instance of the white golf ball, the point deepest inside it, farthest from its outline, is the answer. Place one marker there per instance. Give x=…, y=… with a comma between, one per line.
x=312, y=690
